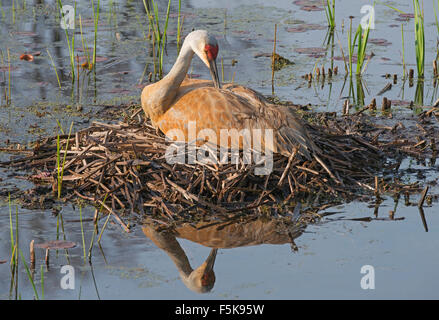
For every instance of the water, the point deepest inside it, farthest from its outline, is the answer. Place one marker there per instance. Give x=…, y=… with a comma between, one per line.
x=130, y=266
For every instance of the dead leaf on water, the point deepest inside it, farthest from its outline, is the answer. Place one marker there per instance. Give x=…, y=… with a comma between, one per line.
x=312, y=50
x=27, y=57
x=56, y=244
x=304, y=3
x=306, y=27
x=380, y=42
x=87, y=66
x=311, y=8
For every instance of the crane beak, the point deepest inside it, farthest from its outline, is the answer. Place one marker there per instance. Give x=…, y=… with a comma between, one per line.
x=214, y=73
x=208, y=275
x=210, y=261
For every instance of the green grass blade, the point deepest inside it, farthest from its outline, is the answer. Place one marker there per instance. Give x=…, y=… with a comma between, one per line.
x=29, y=275
x=82, y=230
x=42, y=282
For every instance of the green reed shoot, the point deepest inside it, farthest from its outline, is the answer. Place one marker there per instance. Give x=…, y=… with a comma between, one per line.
x=82, y=230
x=390, y=7
x=2, y=61
x=95, y=230
x=330, y=13
x=10, y=223
x=164, y=39
x=435, y=15
x=437, y=23
x=419, y=37
x=419, y=93
x=2, y=10
x=361, y=41
x=84, y=44
x=13, y=11
x=103, y=228
x=179, y=26
x=59, y=165
x=14, y=255
x=222, y=70
x=96, y=20
x=159, y=38
x=351, y=46
x=42, y=282
x=8, y=97
x=71, y=45
x=403, y=51
x=54, y=68
x=29, y=275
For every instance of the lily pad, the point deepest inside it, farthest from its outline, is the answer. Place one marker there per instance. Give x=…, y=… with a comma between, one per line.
x=400, y=103
x=24, y=33
x=6, y=68
x=310, y=51
x=293, y=21
x=380, y=42
x=311, y=8
x=306, y=27
x=354, y=58
x=304, y=3
x=262, y=54
x=83, y=59
x=405, y=16
x=2, y=261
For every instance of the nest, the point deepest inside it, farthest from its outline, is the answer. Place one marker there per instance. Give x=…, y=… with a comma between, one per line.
x=123, y=168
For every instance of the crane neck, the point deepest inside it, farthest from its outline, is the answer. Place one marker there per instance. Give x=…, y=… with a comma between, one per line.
x=180, y=68
x=166, y=241
x=160, y=96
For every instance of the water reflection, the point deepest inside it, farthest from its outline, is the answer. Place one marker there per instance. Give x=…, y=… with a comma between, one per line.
x=217, y=235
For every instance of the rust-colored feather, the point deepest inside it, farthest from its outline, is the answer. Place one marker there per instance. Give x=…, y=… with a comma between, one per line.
x=234, y=107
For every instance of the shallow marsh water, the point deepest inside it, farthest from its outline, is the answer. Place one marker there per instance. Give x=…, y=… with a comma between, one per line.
x=129, y=266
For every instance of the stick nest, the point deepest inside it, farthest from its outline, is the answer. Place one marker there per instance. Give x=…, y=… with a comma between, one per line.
x=122, y=167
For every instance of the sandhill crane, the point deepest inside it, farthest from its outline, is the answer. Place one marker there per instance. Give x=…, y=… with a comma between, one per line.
x=174, y=101
x=224, y=235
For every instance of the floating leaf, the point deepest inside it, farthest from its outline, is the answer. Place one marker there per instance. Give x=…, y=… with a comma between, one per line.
x=24, y=33
x=312, y=50
x=380, y=42
x=407, y=15
x=56, y=244
x=311, y=8
x=87, y=65
x=305, y=27
x=27, y=57
x=304, y=3
x=262, y=54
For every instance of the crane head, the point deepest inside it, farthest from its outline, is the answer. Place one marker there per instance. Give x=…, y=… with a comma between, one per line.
x=202, y=279
x=206, y=48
